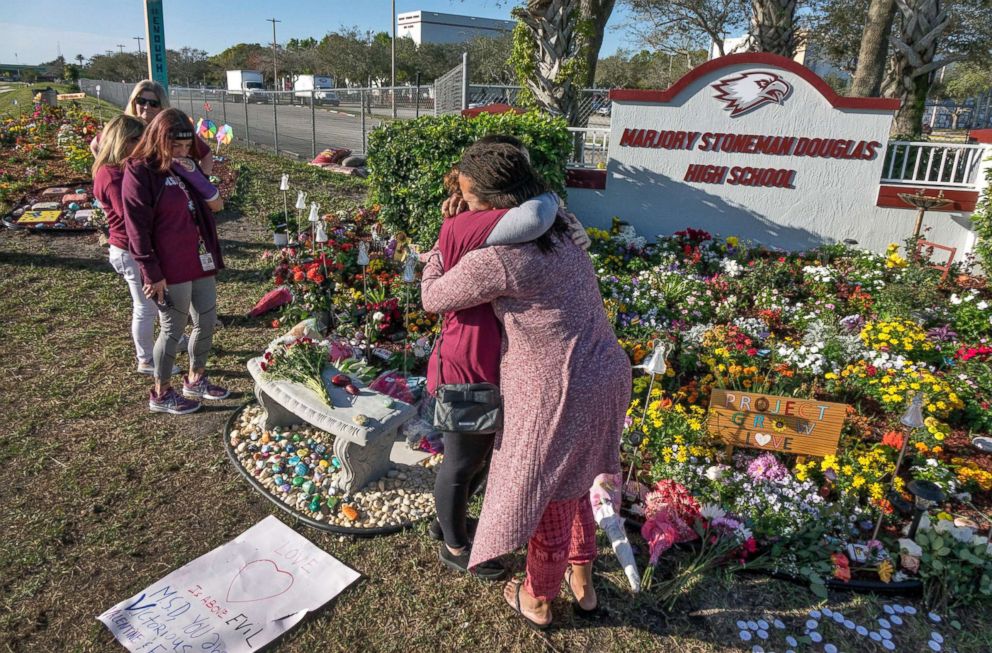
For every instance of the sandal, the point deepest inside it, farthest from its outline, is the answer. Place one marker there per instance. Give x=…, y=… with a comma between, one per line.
x=530, y=622
x=576, y=607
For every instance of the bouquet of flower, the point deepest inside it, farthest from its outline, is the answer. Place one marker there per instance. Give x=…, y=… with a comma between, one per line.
x=722, y=538
x=300, y=360
x=670, y=510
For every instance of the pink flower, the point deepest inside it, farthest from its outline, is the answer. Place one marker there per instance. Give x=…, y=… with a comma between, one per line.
x=660, y=534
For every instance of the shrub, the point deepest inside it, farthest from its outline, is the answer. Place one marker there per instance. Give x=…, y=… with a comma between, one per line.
x=408, y=159
x=982, y=219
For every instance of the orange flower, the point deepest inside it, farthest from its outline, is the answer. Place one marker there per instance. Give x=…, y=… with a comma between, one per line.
x=893, y=439
x=842, y=568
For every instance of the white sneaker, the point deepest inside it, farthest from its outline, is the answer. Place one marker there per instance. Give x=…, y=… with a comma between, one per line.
x=149, y=369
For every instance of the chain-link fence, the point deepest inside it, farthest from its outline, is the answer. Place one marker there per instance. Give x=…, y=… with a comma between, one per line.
x=303, y=123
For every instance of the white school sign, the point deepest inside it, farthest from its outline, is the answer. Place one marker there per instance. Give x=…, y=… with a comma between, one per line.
x=753, y=145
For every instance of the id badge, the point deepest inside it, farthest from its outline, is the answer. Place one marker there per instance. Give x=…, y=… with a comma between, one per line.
x=207, y=262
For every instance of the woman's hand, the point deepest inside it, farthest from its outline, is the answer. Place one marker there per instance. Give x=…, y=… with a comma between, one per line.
x=155, y=291
x=454, y=205
x=576, y=231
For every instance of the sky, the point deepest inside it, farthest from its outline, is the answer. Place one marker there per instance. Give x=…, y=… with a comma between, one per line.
x=36, y=30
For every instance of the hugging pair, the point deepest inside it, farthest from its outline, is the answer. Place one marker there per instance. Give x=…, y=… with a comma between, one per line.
x=522, y=310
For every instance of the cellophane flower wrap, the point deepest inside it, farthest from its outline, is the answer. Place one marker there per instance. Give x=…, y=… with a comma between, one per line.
x=300, y=360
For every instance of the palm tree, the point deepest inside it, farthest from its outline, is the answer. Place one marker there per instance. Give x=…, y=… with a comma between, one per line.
x=774, y=27
x=923, y=22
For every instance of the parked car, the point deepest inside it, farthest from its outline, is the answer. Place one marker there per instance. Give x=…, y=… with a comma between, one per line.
x=327, y=97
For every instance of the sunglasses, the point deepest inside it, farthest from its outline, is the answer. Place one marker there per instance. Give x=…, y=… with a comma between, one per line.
x=140, y=101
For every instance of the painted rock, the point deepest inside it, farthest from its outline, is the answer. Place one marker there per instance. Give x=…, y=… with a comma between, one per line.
x=285, y=487
x=301, y=469
x=332, y=502
x=308, y=487
x=293, y=460
x=298, y=481
x=336, y=462
x=314, y=504
x=349, y=511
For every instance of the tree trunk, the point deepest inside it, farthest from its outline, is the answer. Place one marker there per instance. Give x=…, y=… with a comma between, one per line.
x=774, y=27
x=874, y=52
x=923, y=21
x=597, y=13
x=567, y=37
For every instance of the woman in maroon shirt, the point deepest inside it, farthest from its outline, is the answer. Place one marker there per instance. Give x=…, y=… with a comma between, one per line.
x=119, y=138
x=172, y=237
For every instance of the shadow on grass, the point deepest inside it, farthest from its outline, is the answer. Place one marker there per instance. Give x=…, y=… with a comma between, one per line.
x=27, y=260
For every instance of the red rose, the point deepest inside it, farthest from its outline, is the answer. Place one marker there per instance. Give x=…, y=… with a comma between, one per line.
x=275, y=324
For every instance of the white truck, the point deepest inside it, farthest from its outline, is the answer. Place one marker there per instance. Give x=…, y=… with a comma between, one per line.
x=321, y=85
x=246, y=85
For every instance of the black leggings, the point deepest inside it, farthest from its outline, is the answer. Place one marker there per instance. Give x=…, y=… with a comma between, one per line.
x=462, y=472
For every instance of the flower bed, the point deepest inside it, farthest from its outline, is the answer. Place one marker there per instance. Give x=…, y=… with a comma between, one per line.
x=834, y=324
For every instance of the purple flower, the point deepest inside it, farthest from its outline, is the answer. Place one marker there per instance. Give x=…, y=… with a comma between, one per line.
x=942, y=334
x=767, y=467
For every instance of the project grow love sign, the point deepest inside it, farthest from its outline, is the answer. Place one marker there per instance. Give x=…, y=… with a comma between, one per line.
x=234, y=599
x=787, y=424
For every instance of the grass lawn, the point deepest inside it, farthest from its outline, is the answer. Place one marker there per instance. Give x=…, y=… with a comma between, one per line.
x=102, y=497
x=24, y=94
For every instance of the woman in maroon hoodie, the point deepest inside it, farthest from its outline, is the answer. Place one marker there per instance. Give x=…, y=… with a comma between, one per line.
x=172, y=237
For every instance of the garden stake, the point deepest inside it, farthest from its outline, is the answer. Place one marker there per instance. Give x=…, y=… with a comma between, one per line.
x=656, y=365
x=301, y=203
x=363, y=260
x=912, y=419
x=284, y=187
x=314, y=217
x=409, y=276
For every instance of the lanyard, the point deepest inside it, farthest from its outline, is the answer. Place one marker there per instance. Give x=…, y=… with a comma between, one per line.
x=191, y=207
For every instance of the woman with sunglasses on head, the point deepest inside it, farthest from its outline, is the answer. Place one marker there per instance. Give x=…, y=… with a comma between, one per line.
x=147, y=100
x=172, y=236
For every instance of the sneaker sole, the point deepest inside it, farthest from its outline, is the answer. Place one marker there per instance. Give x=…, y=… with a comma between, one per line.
x=171, y=411
x=481, y=574
x=204, y=397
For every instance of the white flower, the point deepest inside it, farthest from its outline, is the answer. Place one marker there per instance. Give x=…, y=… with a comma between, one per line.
x=377, y=316
x=955, y=299
x=909, y=547
x=712, y=511
x=982, y=305
x=714, y=472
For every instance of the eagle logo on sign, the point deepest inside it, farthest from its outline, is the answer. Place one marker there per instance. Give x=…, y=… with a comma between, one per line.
x=746, y=92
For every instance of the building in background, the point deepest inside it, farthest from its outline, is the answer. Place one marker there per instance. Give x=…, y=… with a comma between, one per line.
x=433, y=27
x=807, y=54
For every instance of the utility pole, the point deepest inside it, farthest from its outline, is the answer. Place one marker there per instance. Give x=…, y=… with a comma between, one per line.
x=392, y=83
x=275, y=83
x=121, y=46
x=139, y=39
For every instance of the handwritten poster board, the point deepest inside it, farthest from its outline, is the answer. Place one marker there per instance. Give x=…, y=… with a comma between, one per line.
x=234, y=599
x=787, y=424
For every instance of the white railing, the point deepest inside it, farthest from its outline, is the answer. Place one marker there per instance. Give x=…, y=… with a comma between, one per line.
x=593, y=145
x=954, y=165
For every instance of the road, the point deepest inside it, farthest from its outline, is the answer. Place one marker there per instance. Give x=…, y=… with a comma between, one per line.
x=334, y=127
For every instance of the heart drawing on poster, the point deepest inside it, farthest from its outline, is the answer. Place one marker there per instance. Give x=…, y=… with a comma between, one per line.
x=762, y=438
x=259, y=580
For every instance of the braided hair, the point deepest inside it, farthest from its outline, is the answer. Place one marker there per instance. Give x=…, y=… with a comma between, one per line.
x=503, y=178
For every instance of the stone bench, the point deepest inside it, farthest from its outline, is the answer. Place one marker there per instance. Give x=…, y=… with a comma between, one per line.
x=364, y=451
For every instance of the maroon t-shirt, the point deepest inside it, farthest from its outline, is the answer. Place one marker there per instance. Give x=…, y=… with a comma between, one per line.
x=471, y=339
x=107, y=189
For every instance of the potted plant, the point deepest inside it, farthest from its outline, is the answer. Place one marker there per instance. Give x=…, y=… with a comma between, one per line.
x=280, y=229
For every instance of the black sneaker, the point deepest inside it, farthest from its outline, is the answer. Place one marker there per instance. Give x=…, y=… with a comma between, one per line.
x=471, y=525
x=489, y=570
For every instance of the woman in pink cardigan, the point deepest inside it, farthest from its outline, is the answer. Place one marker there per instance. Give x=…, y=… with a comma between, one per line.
x=565, y=383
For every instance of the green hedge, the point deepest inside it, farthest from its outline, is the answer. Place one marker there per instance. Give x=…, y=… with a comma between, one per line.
x=982, y=220
x=408, y=159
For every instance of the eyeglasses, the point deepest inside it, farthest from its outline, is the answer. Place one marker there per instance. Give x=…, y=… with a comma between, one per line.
x=141, y=101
